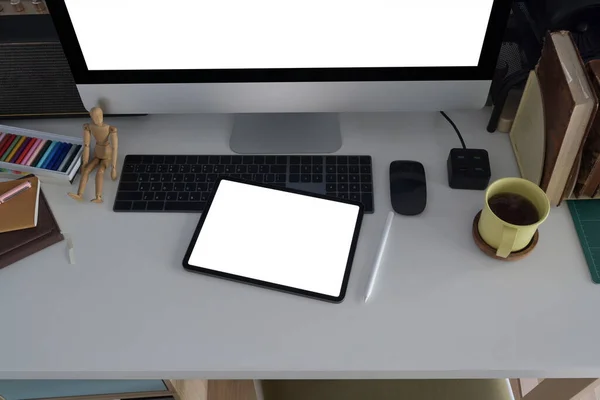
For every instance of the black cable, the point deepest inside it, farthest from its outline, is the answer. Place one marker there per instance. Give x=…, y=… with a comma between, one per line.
x=455, y=128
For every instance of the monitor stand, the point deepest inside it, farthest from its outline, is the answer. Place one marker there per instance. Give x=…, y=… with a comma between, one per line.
x=286, y=133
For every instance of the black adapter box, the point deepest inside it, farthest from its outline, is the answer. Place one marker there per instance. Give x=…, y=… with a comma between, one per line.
x=469, y=169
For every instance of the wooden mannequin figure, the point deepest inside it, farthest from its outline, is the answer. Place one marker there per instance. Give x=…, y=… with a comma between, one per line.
x=105, y=153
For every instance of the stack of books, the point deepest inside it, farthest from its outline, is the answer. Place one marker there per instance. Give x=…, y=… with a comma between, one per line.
x=556, y=132
x=27, y=224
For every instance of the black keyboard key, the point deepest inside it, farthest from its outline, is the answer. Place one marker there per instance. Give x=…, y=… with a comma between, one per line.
x=330, y=160
x=160, y=196
x=195, y=196
x=247, y=177
x=306, y=169
x=177, y=177
x=183, y=196
x=353, y=178
x=169, y=159
x=280, y=178
x=213, y=159
x=134, y=159
x=306, y=160
x=167, y=187
x=211, y=178
x=200, y=177
x=354, y=169
x=219, y=169
x=367, y=200
x=162, y=168
x=178, y=186
x=366, y=187
x=202, y=187
x=148, y=196
x=155, y=186
x=230, y=169
x=252, y=169
x=144, y=186
x=330, y=187
x=330, y=178
x=181, y=159
x=202, y=159
x=317, y=169
x=331, y=169
x=207, y=169
x=258, y=178
x=190, y=187
x=196, y=169
x=152, y=168
x=317, y=160
x=342, y=187
x=128, y=168
x=185, y=169
x=147, y=159
x=282, y=160
x=225, y=160
x=192, y=160
x=247, y=160
x=278, y=169
x=305, y=178
x=259, y=159
x=184, y=206
x=240, y=169
x=270, y=178
x=294, y=169
x=122, y=206
x=270, y=160
x=166, y=178
x=342, y=169
x=189, y=178
x=143, y=177
x=332, y=194
x=128, y=186
x=294, y=178
x=236, y=160
x=155, y=206
x=365, y=159
x=294, y=160
x=353, y=160
x=354, y=188
x=317, y=178
x=365, y=169
x=129, y=196
x=129, y=177
x=171, y=196
x=354, y=196
x=342, y=160
x=204, y=196
x=366, y=178
x=173, y=169
x=139, y=206
x=342, y=178
x=263, y=169
x=154, y=177
x=343, y=196
x=140, y=168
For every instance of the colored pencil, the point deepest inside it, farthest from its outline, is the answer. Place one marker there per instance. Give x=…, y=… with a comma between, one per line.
x=47, y=155
x=11, y=148
x=5, y=143
x=71, y=158
x=62, y=165
x=15, y=149
x=52, y=156
x=41, y=154
x=63, y=153
x=20, y=150
x=36, y=152
x=35, y=144
x=26, y=147
x=2, y=135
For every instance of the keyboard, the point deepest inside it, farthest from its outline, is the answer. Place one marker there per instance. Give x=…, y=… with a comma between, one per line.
x=183, y=183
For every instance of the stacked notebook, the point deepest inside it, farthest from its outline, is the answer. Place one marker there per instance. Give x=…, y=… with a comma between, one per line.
x=27, y=224
x=555, y=135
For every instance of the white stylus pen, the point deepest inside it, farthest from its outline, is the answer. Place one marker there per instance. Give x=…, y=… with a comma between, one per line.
x=380, y=251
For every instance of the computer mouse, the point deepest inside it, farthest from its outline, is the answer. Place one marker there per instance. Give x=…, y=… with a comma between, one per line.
x=408, y=189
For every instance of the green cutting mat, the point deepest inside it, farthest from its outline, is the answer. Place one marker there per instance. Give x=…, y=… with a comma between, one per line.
x=586, y=216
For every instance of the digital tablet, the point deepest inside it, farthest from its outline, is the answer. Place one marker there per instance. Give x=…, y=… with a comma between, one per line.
x=282, y=239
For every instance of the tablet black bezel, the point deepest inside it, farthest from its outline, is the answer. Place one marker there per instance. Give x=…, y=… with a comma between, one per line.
x=269, y=285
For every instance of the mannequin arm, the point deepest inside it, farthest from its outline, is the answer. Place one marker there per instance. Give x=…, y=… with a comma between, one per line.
x=85, y=157
x=114, y=140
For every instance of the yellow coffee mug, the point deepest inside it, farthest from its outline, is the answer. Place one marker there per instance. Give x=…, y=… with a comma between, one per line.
x=501, y=235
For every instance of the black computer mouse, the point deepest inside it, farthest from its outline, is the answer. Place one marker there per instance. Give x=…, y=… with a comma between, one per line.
x=408, y=188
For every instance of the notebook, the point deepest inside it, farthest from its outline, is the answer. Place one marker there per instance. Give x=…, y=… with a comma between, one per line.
x=277, y=238
x=16, y=245
x=20, y=212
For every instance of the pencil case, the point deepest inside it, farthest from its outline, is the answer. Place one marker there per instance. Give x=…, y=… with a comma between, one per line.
x=52, y=158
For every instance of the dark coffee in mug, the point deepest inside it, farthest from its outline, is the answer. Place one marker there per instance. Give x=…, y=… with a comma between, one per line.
x=514, y=209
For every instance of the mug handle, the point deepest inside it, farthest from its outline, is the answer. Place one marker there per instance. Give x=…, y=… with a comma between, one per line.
x=509, y=236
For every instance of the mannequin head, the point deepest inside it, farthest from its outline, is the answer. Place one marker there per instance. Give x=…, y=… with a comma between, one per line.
x=97, y=115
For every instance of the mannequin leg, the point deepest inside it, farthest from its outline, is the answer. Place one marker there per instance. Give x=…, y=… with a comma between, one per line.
x=100, y=181
x=85, y=174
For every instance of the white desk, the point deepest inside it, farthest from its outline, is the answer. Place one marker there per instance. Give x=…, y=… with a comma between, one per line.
x=441, y=308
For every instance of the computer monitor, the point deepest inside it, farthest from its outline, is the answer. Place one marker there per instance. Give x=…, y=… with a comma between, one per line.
x=286, y=68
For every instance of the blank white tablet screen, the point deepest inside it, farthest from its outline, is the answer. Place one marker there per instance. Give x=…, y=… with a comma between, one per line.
x=278, y=237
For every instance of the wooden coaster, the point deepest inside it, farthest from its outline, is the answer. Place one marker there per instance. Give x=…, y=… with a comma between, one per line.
x=490, y=251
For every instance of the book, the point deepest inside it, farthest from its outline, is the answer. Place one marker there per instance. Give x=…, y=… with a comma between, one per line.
x=569, y=104
x=17, y=245
x=22, y=211
x=589, y=175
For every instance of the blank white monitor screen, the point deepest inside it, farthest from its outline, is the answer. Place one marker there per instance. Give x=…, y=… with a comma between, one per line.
x=278, y=237
x=265, y=34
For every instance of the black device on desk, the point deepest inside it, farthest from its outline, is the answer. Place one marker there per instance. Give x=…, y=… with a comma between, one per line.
x=183, y=183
